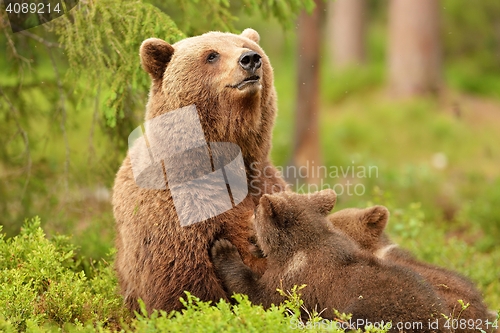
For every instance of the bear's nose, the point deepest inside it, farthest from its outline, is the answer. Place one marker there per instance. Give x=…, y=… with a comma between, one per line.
x=250, y=61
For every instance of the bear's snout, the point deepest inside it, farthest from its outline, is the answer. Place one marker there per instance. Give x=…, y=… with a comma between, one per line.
x=250, y=61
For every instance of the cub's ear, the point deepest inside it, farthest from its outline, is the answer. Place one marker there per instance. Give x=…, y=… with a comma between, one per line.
x=278, y=209
x=251, y=34
x=155, y=56
x=272, y=205
x=323, y=201
x=376, y=219
x=267, y=206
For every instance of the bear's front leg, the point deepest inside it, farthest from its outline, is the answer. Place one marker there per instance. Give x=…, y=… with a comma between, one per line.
x=235, y=275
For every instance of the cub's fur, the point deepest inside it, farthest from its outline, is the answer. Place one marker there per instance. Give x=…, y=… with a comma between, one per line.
x=302, y=248
x=366, y=227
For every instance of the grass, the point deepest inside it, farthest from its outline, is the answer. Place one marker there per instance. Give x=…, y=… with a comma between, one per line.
x=437, y=171
x=44, y=289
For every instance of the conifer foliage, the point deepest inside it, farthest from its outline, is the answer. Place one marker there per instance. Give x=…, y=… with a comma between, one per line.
x=82, y=70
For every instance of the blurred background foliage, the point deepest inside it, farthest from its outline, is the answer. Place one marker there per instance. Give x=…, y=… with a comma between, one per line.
x=72, y=90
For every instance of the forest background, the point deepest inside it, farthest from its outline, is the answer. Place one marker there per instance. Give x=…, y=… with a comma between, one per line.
x=410, y=89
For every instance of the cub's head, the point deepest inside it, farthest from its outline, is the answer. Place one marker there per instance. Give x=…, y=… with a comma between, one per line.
x=365, y=226
x=227, y=76
x=286, y=222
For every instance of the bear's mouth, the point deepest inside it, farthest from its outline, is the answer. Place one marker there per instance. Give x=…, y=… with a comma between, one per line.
x=251, y=80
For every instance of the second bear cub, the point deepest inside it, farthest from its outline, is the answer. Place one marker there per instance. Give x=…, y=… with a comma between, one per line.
x=366, y=227
x=302, y=248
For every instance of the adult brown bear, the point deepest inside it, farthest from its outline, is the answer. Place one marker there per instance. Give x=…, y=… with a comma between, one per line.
x=229, y=81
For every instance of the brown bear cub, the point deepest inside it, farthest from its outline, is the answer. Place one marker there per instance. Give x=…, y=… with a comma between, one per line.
x=302, y=248
x=366, y=227
x=229, y=80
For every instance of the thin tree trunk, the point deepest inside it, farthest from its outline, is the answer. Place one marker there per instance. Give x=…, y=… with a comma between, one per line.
x=307, y=151
x=347, y=32
x=414, y=47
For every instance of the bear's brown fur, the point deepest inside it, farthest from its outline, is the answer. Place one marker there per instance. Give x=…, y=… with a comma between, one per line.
x=302, y=248
x=157, y=259
x=366, y=227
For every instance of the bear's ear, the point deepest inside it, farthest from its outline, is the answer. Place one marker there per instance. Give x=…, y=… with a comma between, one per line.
x=273, y=205
x=323, y=201
x=155, y=56
x=278, y=209
x=251, y=34
x=376, y=219
x=267, y=206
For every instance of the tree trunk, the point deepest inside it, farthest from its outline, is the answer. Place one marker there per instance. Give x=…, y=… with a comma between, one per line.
x=307, y=151
x=347, y=32
x=414, y=47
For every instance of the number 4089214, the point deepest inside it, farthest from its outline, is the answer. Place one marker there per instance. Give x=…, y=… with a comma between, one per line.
x=32, y=8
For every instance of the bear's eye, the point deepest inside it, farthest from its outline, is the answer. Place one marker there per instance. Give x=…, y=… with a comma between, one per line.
x=212, y=57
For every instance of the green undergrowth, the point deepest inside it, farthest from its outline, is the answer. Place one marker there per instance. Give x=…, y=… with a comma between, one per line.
x=44, y=289
x=437, y=244
x=42, y=283
x=416, y=151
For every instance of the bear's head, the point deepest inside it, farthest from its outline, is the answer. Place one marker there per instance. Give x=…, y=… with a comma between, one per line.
x=227, y=76
x=287, y=222
x=364, y=226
